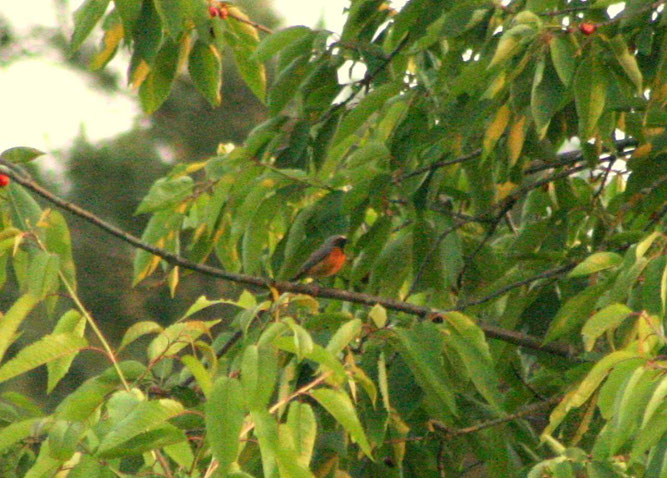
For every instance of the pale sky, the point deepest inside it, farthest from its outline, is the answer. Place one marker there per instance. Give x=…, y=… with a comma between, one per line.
x=44, y=105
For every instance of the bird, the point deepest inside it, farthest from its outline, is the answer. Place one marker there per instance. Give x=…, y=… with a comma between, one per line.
x=328, y=259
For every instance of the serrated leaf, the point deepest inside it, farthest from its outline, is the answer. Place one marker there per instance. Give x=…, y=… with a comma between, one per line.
x=587, y=387
x=199, y=372
x=421, y=348
x=496, y=128
x=563, y=56
x=176, y=337
x=596, y=262
x=166, y=193
x=81, y=403
x=47, y=349
x=259, y=370
x=171, y=14
x=546, y=96
x=366, y=107
x=43, y=274
x=224, y=419
x=110, y=42
x=627, y=61
x=606, y=319
x=15, y=432
x=303, y=425
x=137, y=330
x=21, y=154
x=287, y=84
x=338, y=404
x=470, y=343
x=58, y=240
x=273, y=43
x=10, y=322
x=85, y=18
x=574, y=312
x=343, y=336
x=146, y=416
x=205, y=67
x=155, y=88
x=590, y=94
x=510, y=43
x=70, y=322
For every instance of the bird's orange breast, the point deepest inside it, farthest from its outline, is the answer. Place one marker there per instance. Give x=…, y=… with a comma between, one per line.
x=329, y=265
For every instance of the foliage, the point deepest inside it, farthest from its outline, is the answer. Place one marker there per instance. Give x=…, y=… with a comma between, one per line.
x=491, y=270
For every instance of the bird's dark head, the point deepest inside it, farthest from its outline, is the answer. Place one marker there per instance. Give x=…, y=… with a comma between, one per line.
x=337, y=241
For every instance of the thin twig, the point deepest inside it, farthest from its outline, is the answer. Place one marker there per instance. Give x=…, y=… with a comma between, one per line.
x=256, y=25
x=543, y=275
x=529, y=410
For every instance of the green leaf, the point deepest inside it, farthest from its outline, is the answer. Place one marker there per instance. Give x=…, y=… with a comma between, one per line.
x=470, y=343
x=650, y=434
x=47, y=349
x=511, y=43
x=21, y=154
x=266, y=430
x=80, y=404
x=596, y=262
x=303, y=426
x=57, y=240
x=64, y=438
x=574, y=312
x=273, y=43
x=629, y=405
x=171, y=14
x=366, y=107
x=9, y=323
x=199, y=372
x=156, y=87
x=563, y=53
x=129, y=11
x=421, y=348
x=43, y=274
x=587, y=387
x=627, y=61
x=287, y=84
x=657, y=399
x=137, y=330
x=146, y=416
x=17, y=431
x=166, y=193
x=345, y=334
x=224, y=419
x=85, y=19
x=378, y=315
x=606, y=319
x=259, y=370
x=70, y=322
x=317, y=354
x=205, y=67
x=176, y=337
x=338, y=404
x=546, y=96
x=590, y=94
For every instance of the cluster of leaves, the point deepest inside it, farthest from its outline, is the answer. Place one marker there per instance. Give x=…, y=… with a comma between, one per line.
x=444, y=166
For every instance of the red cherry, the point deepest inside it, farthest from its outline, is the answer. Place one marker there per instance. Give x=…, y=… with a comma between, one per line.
x=4, y=180
x=587, y=28
x=212, y=11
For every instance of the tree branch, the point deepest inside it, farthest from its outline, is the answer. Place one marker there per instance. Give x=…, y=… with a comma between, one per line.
x=529, y=410
x=516, y=338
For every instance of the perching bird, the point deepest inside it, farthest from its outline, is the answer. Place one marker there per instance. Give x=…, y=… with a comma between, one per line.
x=325, y=261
